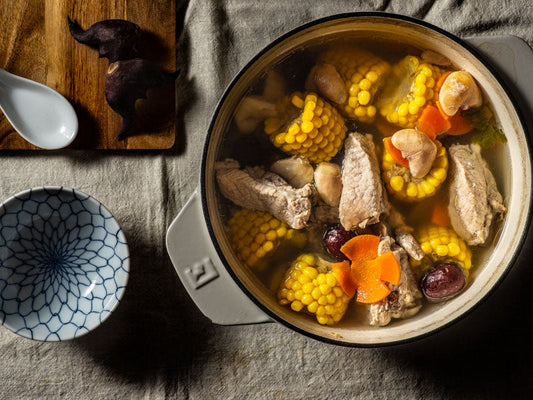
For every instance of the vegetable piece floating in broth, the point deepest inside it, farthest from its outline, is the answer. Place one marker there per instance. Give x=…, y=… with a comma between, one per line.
x=311, y=285
x=360, y=73
x=417, y=148
x=252, y=111
x=404, y=301
x=368, y=270
x=296, y=170
x=442, y=244
x=404, y=186
x=256, y=235
x=411, y=85
x=328, y=182
x=459, y=91
x=309, y=126
x=432, y=122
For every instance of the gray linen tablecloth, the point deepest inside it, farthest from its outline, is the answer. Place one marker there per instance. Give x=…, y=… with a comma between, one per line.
x=158, y=345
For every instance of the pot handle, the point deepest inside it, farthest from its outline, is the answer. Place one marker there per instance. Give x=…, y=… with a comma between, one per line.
x=202, y=273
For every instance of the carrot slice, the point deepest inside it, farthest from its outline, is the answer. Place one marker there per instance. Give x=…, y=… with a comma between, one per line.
x=395, y=153
x=372, y=293
x=390, y=269
x=431, y=122
x=439, y=215
x=344, y=276
x=444, y=115
x=368, y=271
x=441, y=80
x=460, y=125
x=361, y=248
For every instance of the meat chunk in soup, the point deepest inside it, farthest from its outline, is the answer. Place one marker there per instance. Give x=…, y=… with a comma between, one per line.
x=325, y=214
x=404, y=301
x=403, y=234
x=474, y=200
x=257, y=189
x=363, y=197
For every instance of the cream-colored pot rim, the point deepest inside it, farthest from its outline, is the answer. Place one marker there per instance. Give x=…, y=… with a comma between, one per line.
x=516, y=182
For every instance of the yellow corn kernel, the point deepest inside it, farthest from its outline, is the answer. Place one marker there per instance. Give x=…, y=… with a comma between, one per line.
x=453, y=249
x=403, y=109
x=317, y=296
x=311, y=99
x=419, y=90
x=307, y=126
x=412, y=190
x=312, y=308
x=420, y=101
x=397, y=183
x=297, y=101
x=364, y=97
x=372, y=76
x=427, y=187
x=365, y=85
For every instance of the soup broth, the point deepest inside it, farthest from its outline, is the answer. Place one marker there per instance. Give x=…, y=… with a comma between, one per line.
x=254, y=147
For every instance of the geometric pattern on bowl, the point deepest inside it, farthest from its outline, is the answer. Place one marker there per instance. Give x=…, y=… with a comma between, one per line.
x=64, y=263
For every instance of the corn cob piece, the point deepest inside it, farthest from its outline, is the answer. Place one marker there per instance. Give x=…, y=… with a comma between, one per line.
x=402, y=185
x=256, y=234
x=312, y=288
x=411, y=85
x=442, y=244
x=317, y=132
x=363, y=74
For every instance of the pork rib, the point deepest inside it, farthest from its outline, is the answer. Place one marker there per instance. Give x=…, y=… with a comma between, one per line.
x=363, y=197
x=404, y=301
x=474, y=199
x=257, y=189
x=403, y=234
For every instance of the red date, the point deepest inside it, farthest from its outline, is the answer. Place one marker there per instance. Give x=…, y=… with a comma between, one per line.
x=334, y=238
x=443, y=282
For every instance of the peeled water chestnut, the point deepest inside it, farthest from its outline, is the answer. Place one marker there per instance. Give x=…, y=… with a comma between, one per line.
x=442, y=282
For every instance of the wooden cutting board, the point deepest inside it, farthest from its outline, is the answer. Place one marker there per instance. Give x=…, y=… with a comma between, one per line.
x=35, y=43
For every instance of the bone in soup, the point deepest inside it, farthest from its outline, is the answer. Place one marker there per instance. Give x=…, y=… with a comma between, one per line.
x=355, y=181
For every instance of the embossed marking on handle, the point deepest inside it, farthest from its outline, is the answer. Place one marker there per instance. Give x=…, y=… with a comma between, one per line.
x=201, y=273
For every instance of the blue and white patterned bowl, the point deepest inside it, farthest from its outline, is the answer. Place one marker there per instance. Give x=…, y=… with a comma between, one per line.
x=64, y=263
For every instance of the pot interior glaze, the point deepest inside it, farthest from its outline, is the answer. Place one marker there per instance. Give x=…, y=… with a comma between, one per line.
x=514, y=178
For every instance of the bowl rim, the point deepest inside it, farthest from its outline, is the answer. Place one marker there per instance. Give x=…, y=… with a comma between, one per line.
x=353, y=15
x=125, y=266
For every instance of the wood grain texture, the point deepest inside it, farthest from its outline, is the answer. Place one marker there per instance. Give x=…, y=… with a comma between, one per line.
x=35, y=43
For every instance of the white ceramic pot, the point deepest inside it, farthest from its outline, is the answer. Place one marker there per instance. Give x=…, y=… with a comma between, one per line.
x=228, y=292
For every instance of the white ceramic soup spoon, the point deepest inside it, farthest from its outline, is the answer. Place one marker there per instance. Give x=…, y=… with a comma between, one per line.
x=38, y=113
